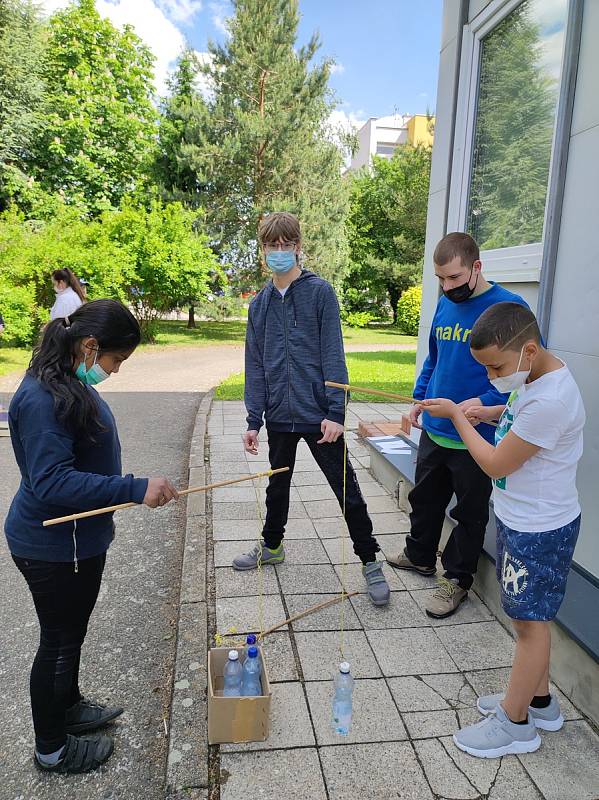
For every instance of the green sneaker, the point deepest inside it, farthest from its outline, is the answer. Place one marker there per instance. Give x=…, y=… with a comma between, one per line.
x=260, y=553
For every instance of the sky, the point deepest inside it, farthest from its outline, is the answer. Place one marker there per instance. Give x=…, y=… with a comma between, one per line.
x=386, y=51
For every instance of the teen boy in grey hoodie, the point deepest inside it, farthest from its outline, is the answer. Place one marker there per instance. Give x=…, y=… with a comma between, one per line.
x=293, y=344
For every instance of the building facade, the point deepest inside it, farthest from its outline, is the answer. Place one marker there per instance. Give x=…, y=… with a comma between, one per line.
x=381, y=135
x=516, y=164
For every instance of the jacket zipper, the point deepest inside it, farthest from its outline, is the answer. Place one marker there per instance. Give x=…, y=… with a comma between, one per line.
x=288, y=373
x=75, y=561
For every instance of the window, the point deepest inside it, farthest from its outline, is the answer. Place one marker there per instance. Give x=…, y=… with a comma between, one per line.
x=509, y=87
x=385, y=149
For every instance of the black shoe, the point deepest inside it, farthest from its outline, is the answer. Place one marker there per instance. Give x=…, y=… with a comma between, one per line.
x=80, y=755
x=87, y=716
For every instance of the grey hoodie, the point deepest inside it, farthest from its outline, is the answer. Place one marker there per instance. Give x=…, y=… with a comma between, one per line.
x=293, y=344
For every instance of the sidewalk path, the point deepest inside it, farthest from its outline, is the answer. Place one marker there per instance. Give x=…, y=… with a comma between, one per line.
x=417, y=678
x=129, y=652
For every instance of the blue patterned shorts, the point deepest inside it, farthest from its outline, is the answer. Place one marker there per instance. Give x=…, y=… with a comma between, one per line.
x=532, y=570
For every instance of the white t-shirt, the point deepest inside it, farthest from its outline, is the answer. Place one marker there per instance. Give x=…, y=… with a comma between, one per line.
x=541, y=495
x=282, y=291
x=67, y=301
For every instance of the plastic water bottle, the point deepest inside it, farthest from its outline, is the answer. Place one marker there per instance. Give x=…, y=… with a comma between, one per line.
x=342, y=701
x=249, y=642
x=250, y=681
x=232, y=675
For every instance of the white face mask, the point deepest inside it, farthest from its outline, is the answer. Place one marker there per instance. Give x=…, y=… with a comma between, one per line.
x=513, y=382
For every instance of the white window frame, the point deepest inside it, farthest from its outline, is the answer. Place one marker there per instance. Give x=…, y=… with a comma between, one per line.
x=520, y=264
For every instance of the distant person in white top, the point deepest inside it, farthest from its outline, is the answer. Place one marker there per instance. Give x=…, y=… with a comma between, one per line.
x=69, y=294
x=533, y=467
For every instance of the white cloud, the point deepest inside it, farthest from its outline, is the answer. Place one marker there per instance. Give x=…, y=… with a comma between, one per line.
x=181, y=10
x=337, y=68
x=151, y=24
x=221, y=12
x=203, y=82
x=348, y=123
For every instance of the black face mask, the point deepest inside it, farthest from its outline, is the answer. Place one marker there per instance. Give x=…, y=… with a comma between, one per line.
x=460, y=293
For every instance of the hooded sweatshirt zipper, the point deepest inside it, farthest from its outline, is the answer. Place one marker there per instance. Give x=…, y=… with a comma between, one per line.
x=287, y=360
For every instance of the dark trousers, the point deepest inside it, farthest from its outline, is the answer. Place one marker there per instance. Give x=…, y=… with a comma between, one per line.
x=440, y=473
x=329, y=457
x=64, y=600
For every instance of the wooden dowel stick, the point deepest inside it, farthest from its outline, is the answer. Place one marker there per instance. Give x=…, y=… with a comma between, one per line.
x=338, y=599
x=120, y=506
x=400, y=397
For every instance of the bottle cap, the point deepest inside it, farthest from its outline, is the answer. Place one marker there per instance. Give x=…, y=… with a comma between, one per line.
x=252, y=652
x=233, y=655
x=344, y=667
x=251, y=638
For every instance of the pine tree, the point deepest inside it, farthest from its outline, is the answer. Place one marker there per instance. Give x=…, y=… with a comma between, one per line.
x=267, y=146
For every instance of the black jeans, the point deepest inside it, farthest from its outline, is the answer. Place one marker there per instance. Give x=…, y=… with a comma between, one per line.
x=329, y=457
x=440, y=473
x=64, y=600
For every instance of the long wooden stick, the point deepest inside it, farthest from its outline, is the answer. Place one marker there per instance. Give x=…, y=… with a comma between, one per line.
x=120, y=506
x=400, y=397
x=338, y=599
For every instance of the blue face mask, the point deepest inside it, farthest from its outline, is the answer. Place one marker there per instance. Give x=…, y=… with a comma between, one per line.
x=281, y=261
x=92, y=376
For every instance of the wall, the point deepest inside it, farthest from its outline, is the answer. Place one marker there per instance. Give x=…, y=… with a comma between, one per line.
x=419, y=130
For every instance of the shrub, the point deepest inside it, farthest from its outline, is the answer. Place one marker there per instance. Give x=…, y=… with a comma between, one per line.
x=21, y=318
x=358, y=319
x=408, y=310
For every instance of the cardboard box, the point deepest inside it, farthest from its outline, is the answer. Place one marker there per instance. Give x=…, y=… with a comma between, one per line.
x=235, y=719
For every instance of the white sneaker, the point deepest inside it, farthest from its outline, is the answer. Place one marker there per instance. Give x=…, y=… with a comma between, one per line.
x=546, y=719
x=497, y=735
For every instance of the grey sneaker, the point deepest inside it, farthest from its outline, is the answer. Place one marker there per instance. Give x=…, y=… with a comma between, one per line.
x=403, y=562
x=546, y=719
x=497, y=735
x=260, y=553
x=446, y=598
x=376, y=583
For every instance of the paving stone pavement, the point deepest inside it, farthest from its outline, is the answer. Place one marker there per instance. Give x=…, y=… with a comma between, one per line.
x=417, y=679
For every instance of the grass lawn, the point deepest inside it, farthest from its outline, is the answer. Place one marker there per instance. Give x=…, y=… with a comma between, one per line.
x=13, y=359
x=174, y=332
x=391, y=371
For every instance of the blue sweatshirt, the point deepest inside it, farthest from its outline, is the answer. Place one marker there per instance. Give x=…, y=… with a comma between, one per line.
x=450, y=369
x=293, y=345
x=61, y=476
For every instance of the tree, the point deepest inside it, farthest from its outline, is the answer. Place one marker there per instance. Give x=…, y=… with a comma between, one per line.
x=514, y=132
x=387, y=228
x=182, y=122
x=171, y=262
x=99, y=123
x=21, y=92
x=264, y=142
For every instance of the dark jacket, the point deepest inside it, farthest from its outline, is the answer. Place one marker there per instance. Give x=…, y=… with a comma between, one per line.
x=61, y=476
x=293, y=344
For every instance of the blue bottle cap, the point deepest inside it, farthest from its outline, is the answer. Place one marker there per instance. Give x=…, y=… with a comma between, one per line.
x=253, y=652
x=251, y=638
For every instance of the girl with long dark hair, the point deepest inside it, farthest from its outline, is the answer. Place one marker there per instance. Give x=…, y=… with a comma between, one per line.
x=69, y=294
x=66, y=444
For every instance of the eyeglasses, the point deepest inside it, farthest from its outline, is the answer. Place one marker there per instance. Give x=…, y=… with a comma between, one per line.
x=286, y=247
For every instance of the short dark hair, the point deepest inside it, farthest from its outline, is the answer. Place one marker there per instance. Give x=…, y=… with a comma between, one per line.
x=508, y=325
x=456, y=244
x=279, y=225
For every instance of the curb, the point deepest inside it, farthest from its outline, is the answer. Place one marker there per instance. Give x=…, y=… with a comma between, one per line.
x=187, y=765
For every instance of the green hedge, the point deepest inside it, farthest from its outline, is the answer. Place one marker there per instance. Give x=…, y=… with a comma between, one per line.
x=408, y=310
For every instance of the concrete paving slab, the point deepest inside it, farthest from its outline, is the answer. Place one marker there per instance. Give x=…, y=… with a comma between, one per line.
x=401, y=612
x=354, y=580
x=373, y=771
x=320, y=657
x=229, y=530
x=471, y=610
x=242, y=615
x=291, y=774
x=410, y=651
x=290, y=724
x=309, y=551
x=320, y=492
x=331, y=527
x=390, y=522
x=431, y=692
x=308, y=578
x=233, y=583
x=326, y=619
x=374, y=715
x=429, y=724
x=278, y=654
x=341, y=550
x=477, y=645
x=319, y=509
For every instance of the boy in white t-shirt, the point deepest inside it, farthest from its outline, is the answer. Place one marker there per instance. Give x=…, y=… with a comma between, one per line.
x=533, y=467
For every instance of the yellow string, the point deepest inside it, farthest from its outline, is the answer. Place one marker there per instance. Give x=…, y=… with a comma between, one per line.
x=344, y=537
x=259, y=544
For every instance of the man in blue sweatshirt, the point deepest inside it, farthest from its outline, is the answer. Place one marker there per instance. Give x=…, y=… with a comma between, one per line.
x=293, y=344
x=445, y=467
